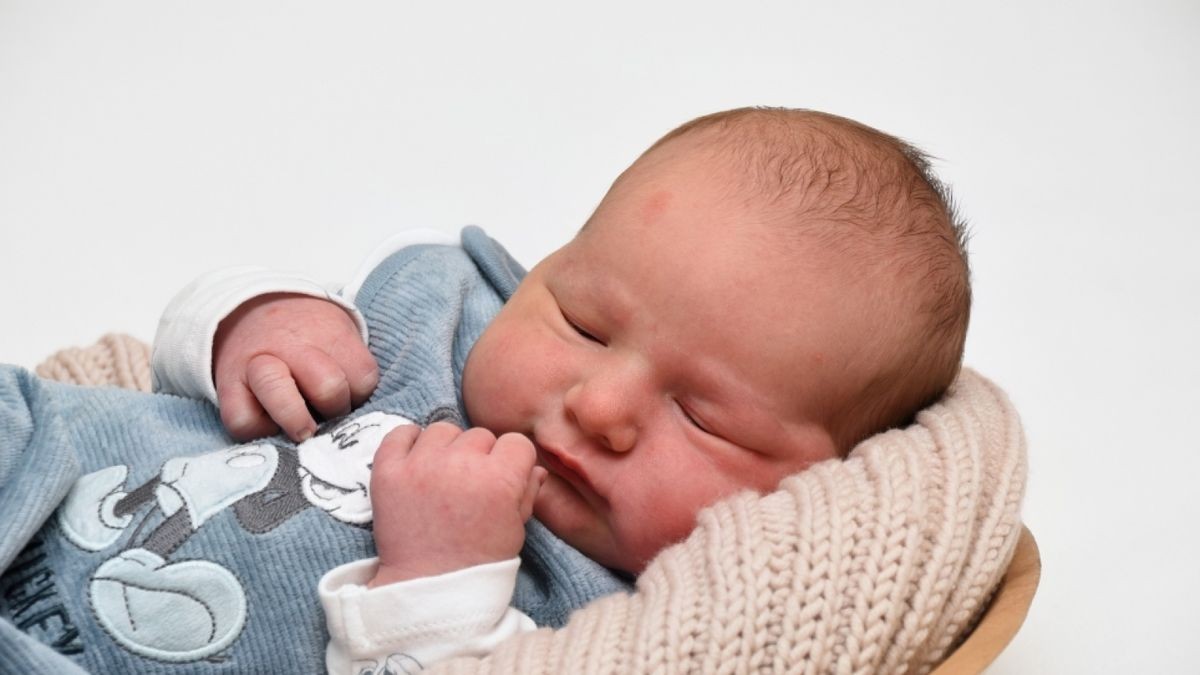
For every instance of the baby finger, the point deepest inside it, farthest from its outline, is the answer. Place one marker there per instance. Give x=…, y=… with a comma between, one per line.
x=321, y=381
x=476, y=439
x=515, y=450
x=241, y=413
x=436, y=436
x=271, y=382
x=537, y=476
x=396, y=445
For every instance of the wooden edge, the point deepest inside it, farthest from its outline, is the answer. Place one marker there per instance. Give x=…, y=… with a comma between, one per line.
x=1004, y=614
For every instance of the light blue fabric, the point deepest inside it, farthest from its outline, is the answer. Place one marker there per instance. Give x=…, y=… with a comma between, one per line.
x=135, y=536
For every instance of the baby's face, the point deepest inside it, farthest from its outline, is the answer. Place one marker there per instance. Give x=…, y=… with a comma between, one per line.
x=668, y=356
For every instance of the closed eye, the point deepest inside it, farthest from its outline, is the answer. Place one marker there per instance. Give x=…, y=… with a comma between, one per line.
x=579, y=329
x=693, y=420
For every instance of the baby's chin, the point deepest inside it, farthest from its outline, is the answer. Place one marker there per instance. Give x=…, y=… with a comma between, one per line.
x=563, y=511
x=558, y=507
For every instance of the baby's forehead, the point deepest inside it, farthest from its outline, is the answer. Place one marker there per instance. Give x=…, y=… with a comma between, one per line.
x=801, y=161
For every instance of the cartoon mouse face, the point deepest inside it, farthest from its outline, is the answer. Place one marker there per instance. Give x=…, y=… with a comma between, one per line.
x=335, y=465
x=190, y=609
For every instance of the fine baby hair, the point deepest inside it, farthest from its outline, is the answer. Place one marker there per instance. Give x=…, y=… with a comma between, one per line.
x=873, y=203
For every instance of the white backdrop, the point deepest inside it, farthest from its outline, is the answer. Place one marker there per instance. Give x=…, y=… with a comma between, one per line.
x=142, y=143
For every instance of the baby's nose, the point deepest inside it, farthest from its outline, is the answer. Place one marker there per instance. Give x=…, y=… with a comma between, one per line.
x=620, y=438
x=603, y=414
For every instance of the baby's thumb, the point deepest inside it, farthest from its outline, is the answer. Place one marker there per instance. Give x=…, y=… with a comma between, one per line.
x=537, y=477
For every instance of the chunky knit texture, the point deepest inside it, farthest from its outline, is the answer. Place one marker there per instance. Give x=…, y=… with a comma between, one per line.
x=878, y=563
x=115, y=359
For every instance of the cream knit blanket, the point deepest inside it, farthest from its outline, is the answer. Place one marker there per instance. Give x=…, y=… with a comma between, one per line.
x=878, y=563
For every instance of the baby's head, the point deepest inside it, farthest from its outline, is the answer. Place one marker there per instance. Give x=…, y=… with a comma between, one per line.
x=758, y=292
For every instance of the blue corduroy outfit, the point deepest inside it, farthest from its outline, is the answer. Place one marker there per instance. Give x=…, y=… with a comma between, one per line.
x=136, y=536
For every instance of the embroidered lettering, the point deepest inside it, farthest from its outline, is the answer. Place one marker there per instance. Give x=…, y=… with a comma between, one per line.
x=31, y=601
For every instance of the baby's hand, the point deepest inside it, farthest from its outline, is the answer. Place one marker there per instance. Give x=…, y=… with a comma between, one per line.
x=280, y=353
x=445, y=499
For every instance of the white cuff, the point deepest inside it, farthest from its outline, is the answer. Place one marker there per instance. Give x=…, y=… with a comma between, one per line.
x=181, y=362
x=461, y=613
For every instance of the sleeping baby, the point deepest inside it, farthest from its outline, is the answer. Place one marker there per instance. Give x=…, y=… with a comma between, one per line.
x=761, y=290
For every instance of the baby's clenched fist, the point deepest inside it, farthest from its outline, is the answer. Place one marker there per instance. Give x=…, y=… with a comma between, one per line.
x=445, y=499
x=278, y=357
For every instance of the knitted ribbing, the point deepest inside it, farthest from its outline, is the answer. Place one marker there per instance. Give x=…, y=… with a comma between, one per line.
x=878, y=563
x=115, y=359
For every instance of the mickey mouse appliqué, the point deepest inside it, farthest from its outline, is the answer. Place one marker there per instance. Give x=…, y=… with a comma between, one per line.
x=265, y=484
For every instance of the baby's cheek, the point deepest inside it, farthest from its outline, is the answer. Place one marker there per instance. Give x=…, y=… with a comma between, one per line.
x=561, y=510
x=676, y=507
x=496, y=369
x=648, y=533
x=482, y=383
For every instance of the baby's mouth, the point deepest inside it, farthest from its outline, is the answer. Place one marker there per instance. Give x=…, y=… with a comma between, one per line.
x=569, y=471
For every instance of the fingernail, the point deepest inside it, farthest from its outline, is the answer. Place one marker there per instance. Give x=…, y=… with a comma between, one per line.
x=241, y=420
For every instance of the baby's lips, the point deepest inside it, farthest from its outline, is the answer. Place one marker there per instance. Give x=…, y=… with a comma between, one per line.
x=567, y=469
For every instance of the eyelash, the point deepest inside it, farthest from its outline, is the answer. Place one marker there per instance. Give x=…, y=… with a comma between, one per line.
x=592, y=338
x=691, y=419
x=578, y=329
